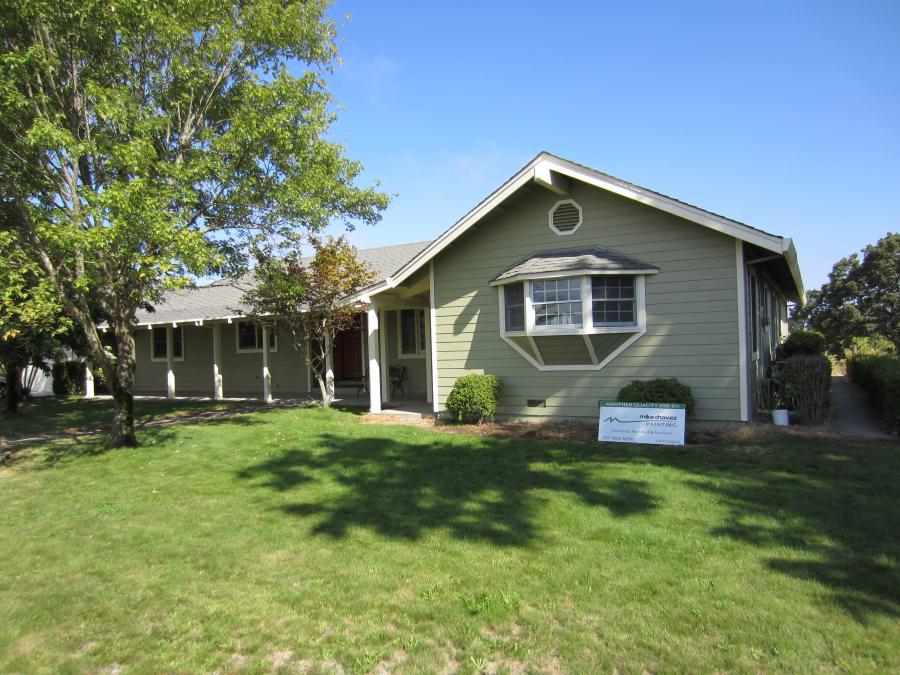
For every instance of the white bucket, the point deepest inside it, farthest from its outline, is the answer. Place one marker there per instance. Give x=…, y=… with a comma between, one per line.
x=780, y=418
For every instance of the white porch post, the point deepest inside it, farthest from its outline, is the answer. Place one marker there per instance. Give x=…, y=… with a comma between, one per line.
x=88, y=380
x=382, y=344
x=218, y=394
x=329, y=365
x=267, y=378
x=170, y=368
x=372, y=331
x=428, y=387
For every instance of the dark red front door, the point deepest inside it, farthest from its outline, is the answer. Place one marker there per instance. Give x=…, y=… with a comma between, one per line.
x=348, y=355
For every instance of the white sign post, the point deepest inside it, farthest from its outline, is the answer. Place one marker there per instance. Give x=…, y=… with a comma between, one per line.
x=656, y=423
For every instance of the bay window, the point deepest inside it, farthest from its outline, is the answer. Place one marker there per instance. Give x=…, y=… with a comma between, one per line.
x=582, y=304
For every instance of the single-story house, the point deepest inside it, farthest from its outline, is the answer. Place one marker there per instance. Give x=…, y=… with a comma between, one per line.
x=565, y=282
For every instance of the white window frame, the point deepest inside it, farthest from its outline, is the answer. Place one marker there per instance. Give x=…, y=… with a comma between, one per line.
x=587, y=328
x=421, y=333
x=553, y=210
x=258, y=349
x=164, y=359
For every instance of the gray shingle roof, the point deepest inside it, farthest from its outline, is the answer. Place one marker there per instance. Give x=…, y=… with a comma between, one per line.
x=222, y=298
x=583, y=258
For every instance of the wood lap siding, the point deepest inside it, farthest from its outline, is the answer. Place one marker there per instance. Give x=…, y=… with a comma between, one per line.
x=241, y=372
x=692, y=328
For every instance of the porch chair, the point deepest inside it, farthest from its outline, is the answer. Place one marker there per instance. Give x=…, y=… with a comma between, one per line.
x=362, y=384
x=397, y=378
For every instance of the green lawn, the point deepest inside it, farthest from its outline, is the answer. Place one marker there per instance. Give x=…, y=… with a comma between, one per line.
x=68, y=414
x=304, y=540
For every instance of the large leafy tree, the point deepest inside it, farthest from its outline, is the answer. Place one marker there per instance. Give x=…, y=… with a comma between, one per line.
x=310, y=299
x=861, y=298
x=144, y=143
x=32, y=326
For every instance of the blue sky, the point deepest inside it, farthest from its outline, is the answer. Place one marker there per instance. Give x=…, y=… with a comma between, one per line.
x=784, y=115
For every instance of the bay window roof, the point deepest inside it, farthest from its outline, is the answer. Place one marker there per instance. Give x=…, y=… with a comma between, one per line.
x=570, y=261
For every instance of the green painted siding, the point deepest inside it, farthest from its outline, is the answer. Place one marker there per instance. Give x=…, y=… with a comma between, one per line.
x=241, y=371
x=692, y=327
x=415, y=384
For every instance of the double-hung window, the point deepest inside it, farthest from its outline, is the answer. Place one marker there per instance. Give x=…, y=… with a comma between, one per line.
x=412, y=332
x=160, y=346
x=584, y=304
x=613, y=301
x=250, y=337
x=556, y=302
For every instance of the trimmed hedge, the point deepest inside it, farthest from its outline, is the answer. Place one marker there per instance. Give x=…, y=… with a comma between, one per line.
x=807, y=386
x=879, y=376
x=658, y=391
x=474, y=398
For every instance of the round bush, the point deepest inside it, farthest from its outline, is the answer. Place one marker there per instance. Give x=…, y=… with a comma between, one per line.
x=803, y=342
x=474, y=398
x=658, y=391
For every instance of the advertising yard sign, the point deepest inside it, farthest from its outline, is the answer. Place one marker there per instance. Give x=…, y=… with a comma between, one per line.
x=655, y=423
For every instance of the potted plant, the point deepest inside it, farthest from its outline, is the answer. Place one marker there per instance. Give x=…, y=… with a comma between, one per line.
x=780, y=413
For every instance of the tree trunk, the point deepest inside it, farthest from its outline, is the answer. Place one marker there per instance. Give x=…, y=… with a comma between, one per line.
x=323, y=386
x=123, y=418
x=12, y=388
x=122, y=380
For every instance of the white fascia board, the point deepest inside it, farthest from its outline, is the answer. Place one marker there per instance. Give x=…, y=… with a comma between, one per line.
x=790, y=255
x=526, y=175
x=197, y=322
x=740, y=231
x=541, y=170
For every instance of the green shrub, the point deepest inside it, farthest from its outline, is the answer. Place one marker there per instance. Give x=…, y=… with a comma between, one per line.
x=807, y=386
x=474, y=398
x=803, y=342
x=879, y=376
x=658, y=391
x=68, y=378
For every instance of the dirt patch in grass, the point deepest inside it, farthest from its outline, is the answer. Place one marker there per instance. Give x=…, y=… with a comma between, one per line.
x=571, y=430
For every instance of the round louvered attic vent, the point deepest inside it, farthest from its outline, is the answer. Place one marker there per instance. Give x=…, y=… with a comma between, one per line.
x=565, y=217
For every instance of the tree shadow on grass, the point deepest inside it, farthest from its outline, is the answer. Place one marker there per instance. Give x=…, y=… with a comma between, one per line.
x=485, y=491
x=818, y=509
x=39, y=454
x=835, y=504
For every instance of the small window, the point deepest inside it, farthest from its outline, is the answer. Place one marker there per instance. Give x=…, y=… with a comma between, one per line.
x=557, y=302
x=250, y=337
x=613, y=301
x=412, y=332
x=565, y=217
x=514, y=306
x=160, y=344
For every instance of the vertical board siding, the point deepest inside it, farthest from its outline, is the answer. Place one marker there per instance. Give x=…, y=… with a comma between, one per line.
x=692, y=329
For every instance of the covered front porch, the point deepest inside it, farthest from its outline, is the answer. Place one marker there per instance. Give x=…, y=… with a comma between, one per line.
x=398, y=348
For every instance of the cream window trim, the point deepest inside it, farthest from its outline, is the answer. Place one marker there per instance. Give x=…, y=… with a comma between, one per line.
x=248, y=350
x=587, y=326
x=587, y=329
x=419, y=327
x=163, y=359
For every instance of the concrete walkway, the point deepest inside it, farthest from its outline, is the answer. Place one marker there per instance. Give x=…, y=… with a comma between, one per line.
x=851, y=412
